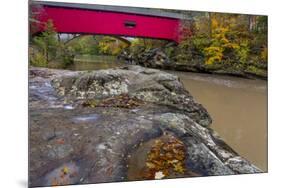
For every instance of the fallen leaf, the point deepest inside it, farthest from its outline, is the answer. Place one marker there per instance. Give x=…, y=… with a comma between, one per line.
x=159, y=175
x=60, y=141
x=150, y=165
x=167, y=155
x=65, y=170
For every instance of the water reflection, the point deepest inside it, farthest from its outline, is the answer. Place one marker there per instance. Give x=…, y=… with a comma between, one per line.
x=85, y=65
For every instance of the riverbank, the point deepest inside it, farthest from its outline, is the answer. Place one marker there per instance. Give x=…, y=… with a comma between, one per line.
x=250, y=72
x=159, y=58
x=84, y=127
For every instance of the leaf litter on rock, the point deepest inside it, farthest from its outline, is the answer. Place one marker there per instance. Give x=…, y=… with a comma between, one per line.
x=119, y=101
x=165, y=158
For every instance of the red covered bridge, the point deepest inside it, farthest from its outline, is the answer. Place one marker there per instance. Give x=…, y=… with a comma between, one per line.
x=110, y=20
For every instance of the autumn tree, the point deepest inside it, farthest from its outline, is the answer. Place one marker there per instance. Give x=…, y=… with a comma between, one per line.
x=46, y=44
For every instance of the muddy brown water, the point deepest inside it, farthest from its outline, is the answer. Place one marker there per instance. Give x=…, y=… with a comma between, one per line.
x=237, y=106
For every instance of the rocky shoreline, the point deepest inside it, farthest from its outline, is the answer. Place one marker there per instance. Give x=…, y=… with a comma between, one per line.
x=157, y=58
x=85, y=125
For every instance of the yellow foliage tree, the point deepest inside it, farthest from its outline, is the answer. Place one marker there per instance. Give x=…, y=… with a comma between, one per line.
x=223, y=28
x=111, y=46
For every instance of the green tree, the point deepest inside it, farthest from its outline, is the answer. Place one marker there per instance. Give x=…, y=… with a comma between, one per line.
x=47, y=45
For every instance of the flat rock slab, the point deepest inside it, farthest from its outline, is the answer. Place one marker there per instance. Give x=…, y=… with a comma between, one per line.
x=72, y=144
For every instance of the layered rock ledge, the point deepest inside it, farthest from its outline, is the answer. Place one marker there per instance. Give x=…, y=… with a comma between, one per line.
x=84, y=126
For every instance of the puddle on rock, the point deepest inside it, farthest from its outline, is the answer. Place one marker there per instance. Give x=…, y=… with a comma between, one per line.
x=86, y=118
x=68, y=107
x=162, y=157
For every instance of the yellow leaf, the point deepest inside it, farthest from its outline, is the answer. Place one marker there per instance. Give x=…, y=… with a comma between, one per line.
x=65, y=170
x=178, y=167
x=150, y=165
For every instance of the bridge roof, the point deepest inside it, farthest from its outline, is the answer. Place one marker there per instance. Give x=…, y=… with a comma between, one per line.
x=111, y=8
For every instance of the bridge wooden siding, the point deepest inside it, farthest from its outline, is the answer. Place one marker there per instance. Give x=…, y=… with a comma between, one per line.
x=109, y=20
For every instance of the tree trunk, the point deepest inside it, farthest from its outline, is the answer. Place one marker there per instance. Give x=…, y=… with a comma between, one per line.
x=210, y=24
x=252, y=22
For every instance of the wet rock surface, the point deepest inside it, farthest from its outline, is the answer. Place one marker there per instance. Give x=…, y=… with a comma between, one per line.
x=72, y=143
